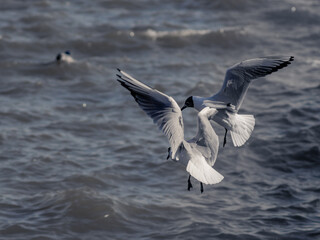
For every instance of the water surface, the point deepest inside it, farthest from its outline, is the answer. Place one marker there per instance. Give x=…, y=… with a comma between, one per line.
x=80, y=160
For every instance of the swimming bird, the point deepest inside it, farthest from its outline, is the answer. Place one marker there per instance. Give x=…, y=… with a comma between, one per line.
x=64, y=57
x=236, y=83
x=199, y=153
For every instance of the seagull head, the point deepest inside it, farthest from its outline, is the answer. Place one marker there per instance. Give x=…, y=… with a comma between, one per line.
x=188, y=103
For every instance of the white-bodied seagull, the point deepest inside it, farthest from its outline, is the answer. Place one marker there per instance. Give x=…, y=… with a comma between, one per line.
x=233, y=91
x=64, y=57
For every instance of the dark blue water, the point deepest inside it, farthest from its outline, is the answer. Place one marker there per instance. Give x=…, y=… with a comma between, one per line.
x=80, y=160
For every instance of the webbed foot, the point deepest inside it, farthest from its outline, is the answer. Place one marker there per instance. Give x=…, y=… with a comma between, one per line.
x=225, y=138
x=169, y=148
x=189, y=183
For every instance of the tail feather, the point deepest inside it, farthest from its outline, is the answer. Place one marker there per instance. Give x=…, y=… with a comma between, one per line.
x=204, y=173
x=241, y=132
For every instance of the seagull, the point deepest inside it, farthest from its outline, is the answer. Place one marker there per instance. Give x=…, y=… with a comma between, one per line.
x=64, y=57
x=197, y=154
x=233, y=91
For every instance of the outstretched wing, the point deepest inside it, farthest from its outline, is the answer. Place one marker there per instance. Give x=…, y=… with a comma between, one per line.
x=163, y=109
x=239, y=76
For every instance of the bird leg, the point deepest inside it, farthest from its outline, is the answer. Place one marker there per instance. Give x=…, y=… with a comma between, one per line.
x=169, y=149
x=189, y=183
x=201, y=187
x=225, y=138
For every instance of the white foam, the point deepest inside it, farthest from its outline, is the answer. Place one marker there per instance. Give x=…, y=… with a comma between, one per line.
x=176, y=33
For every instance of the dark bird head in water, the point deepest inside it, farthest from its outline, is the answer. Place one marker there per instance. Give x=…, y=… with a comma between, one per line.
x=58, y=57
x=188, y=103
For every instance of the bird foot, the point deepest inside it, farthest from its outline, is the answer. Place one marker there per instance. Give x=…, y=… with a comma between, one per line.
x=225, y=138
x=189, y=184
x=168, y=153
x=201, y=187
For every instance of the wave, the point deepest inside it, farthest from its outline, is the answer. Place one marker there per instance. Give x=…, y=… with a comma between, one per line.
x=226, y=37
x=35, y=213
x=154, y=35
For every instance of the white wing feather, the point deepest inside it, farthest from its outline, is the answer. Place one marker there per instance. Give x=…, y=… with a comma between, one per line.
x=162, y=108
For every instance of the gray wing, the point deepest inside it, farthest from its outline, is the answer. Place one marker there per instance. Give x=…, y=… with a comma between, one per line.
x=163, y=109
x=239, y=76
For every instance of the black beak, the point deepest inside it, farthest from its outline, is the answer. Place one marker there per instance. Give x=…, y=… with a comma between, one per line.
x=184, y=106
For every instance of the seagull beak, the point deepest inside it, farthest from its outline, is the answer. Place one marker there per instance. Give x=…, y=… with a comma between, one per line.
x=184, y=106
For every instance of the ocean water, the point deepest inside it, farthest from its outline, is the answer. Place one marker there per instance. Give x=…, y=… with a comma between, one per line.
x=80, y=160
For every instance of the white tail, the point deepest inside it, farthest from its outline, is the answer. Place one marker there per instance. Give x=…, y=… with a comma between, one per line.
x=203, y=172
x=242, y=130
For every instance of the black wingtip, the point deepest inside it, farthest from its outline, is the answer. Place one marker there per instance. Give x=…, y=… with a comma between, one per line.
x=119, y=76
x=119, y=69
x=123, y=84
x=282, y=65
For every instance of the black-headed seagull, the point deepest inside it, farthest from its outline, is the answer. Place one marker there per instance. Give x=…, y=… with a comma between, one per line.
x=233, y=91
x=64, y=57
x=199, y=153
